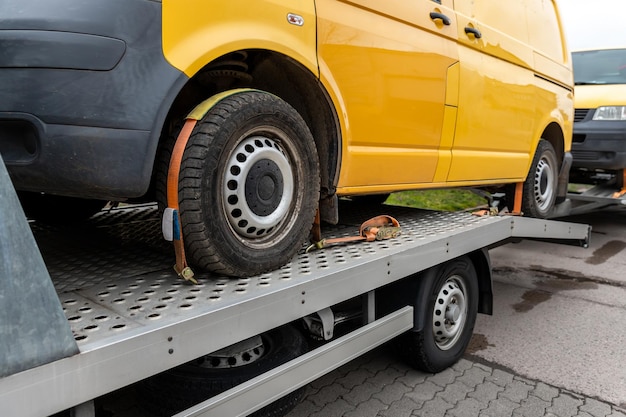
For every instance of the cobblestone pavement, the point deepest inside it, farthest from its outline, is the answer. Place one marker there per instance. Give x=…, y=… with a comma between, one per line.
x=378, y=385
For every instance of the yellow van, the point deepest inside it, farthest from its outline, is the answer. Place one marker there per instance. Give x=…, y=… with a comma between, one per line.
x=599, y=141
x=293, y=103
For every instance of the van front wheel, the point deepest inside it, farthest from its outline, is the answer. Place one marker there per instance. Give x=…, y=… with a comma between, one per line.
x=248, y=185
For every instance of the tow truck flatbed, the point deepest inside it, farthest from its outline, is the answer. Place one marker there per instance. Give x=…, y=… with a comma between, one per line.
x=127, y=308
x=598, y=197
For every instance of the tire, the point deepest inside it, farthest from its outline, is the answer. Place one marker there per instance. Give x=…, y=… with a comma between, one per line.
x=248, y=186
x=446, y=307
x=49, y=208
x=184, y=386
x=541, y=185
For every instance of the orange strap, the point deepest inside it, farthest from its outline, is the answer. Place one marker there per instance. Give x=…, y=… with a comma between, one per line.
x=620, y=193
x=377, y=228
x=517, y=205
x=316, y=230
x=182, y=269
x=517, y=201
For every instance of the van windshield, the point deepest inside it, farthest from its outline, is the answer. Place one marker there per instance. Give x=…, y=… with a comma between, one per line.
x=599, y=67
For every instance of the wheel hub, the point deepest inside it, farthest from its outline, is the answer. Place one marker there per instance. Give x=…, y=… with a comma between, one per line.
x=453, y=313
x=258, y=187
x=264, y=187
x=543, y=184
x=449, y=313
x=239, y=354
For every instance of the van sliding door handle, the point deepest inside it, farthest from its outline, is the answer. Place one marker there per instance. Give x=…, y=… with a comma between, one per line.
x=474, y=32
x=440, y=16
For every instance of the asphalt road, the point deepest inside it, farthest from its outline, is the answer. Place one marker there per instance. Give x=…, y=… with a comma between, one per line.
x=560, y=311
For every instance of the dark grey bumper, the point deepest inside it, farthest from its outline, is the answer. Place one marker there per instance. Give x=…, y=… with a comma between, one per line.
x=599, y=144
x=84, y=95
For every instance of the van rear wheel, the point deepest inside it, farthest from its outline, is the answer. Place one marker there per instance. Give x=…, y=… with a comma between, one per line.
x=248, y=185
x=540, y=187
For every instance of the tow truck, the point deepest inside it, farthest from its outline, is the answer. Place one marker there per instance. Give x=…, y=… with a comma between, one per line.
x=87, y=309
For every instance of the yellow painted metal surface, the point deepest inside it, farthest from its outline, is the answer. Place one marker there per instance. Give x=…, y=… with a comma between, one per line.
x=195, y=32
x=594, y=96
x=427, y=94
x=386, y=62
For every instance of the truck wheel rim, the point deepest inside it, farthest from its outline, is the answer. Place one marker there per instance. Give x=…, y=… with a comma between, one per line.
x=258, y=187
x=449, y=313
x=239, y=354
x=543, y=184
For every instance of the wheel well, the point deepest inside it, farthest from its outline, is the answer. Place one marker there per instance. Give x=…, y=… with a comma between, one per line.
x=480, y=259
x=276, y=74
x=554, y=135
x=404, y=292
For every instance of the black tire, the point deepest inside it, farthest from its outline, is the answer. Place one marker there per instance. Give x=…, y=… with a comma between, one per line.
x=249, y=185
x=184, y=386
x=445, y=312
x=541, y=185
x=49, y=208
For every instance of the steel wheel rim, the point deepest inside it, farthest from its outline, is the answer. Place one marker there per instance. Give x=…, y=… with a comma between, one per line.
x=258, y=187
x=240, y=354
x=450, y=312
x=543, y=185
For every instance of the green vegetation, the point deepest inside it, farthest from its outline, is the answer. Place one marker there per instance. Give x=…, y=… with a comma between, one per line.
x=578, y=188
x=446, y=199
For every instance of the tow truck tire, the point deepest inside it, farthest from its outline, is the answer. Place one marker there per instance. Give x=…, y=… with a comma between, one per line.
x=189, y=384
x=248, y=186
x=540, y=187
x=445, y=312
x=49, y=208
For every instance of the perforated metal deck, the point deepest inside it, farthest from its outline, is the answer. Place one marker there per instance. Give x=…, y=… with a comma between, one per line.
x=114, y=272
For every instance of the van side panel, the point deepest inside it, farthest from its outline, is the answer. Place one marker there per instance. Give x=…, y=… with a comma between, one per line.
x=198, y=31
x=496, y=119
x=552, y=60
x=387, y=62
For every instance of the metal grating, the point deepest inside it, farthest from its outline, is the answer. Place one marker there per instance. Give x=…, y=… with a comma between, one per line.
x=589, y=155
x=114, y=273
x=580, y=114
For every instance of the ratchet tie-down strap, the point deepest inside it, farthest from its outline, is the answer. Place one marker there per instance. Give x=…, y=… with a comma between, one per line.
x=622, y=191
x=517, y=205
x=172, y=228
x=377, y=228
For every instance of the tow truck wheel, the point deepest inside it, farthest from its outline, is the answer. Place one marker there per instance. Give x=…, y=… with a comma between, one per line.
x=540, y=187
x=445, y=313
x=248, y=186
x=189, y=384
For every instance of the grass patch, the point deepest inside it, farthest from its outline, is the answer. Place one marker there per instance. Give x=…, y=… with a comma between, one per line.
x=445, y=200
x=578, y=188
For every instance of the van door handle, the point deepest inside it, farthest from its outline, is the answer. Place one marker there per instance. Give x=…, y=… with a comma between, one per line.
x=440, y=16
x=474, y=32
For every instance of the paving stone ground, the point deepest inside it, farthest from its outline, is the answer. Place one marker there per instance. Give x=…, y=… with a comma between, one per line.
x=379, y=385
